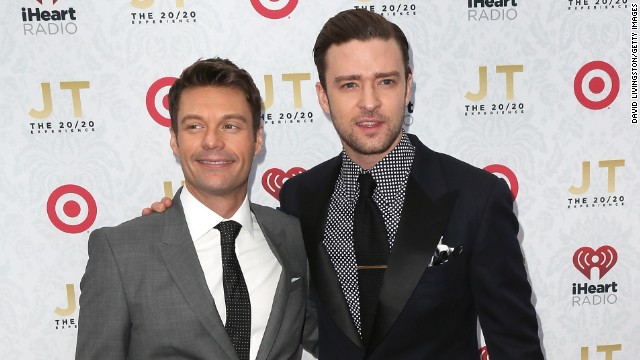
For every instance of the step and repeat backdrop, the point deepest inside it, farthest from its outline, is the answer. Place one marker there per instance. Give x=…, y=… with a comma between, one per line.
x=542, y=93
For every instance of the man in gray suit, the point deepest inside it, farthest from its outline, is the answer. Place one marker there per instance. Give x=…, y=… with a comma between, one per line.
x=215, y=276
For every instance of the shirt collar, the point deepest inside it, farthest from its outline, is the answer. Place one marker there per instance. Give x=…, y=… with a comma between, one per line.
x=201, y=219
x=396, y=164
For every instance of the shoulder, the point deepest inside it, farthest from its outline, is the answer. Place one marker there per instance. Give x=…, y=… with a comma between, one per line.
x=277, y=223
x=459, y=171
x=302, y=188
x=451, y=174
x=449, y=167
x=132, y=236
x=325, y=171
x=141, y=223
x=271, y=215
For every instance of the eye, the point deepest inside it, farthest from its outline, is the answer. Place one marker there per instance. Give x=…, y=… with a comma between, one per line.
x=387, y=82
x=192, y=126
x=349, y=85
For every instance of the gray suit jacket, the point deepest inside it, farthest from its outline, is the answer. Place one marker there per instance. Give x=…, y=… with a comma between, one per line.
x=144, y=294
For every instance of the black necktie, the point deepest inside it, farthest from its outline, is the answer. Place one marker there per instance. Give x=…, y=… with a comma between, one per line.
x=236, y=296
x=371, y=247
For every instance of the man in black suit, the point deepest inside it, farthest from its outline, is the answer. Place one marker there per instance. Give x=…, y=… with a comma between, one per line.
x=450, y=249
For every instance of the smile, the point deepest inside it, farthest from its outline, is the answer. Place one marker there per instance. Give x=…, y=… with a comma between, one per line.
x=215, y=162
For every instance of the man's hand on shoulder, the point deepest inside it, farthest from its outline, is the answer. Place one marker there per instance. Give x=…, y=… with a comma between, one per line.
x=159, y=206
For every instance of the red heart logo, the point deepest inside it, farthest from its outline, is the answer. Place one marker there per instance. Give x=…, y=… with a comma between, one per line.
x=273, y=179
x=585, y=259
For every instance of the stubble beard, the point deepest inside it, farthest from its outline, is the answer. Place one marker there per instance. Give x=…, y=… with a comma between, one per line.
x=368, y=145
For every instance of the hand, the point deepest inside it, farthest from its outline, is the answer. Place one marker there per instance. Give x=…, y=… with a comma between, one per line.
x=160, y=206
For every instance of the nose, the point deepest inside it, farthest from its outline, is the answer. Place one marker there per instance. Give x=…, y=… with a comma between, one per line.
x=369, y=99
x=212, y=140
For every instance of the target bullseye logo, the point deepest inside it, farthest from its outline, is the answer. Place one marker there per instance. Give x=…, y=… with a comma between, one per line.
x=158, y=100
x=274, y=9
x=508, y=174
x=71, y=209
x=596, y=85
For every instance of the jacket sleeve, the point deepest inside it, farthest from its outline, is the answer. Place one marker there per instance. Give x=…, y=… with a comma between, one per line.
x=500, y=285
x=103, y=323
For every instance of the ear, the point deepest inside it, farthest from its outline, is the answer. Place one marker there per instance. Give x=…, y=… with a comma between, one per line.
x=407, y=96
x=259, y=140
x=174, y=142
x=322, y=98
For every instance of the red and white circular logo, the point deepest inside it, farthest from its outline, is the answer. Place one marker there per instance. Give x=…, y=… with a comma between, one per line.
x=71, y=209
x=274, y=9
x=505, y=173
x=596, y=85
x=158, y=100
x=273, y=179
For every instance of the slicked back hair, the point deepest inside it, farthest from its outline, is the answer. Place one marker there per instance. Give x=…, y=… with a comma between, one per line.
x=356, y=24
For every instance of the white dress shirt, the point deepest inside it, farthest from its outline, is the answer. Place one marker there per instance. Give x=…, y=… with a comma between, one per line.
x=260, y=268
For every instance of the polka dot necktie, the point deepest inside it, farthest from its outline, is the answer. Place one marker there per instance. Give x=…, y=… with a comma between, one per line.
x=236, y=296
x=371, y=247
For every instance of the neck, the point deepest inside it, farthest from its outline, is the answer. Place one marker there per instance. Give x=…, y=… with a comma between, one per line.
x=365, y=161
x=224, y=205
x=368, y=161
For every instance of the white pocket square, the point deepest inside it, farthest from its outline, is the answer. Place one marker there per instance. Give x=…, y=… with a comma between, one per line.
x=295, y=279
x=443, y=253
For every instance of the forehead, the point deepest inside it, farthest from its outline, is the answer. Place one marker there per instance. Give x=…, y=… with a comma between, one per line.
x=223, y=99
x=361, y=57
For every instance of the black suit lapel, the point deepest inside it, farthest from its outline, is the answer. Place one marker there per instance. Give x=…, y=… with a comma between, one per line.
x=317, y=197
x=422, y=224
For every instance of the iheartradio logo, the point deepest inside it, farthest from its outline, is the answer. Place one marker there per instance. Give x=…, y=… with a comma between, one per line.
x=604, y=258
x=273, y=179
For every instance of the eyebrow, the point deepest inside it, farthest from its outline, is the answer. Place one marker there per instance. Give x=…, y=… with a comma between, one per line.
x=377, y=75
x=229, y=116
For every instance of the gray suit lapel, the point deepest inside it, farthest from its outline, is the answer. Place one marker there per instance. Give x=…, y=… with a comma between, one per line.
x=181, y=259
x=274, y=238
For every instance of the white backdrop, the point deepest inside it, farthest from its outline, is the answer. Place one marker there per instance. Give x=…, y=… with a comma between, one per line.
x=540, y=89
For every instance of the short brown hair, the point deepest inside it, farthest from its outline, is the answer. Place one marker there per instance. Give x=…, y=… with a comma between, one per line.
x=215, y=72
x=356, y=24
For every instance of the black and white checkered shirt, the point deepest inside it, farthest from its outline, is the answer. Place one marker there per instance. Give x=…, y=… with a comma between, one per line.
x=391, y=175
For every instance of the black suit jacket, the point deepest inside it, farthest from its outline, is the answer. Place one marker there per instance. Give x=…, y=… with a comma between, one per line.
x=428, y=312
